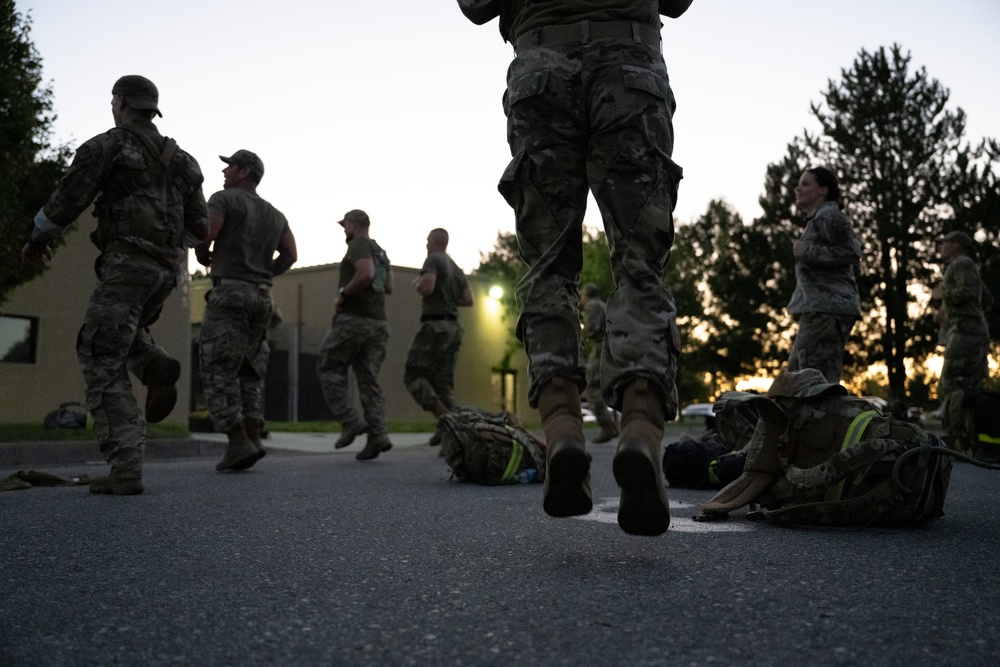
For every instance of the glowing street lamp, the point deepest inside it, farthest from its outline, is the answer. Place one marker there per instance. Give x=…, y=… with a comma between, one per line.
x=496, y=292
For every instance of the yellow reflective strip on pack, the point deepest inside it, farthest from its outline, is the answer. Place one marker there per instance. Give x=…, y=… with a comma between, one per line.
x=516, y=454
x=989, y=439
x=852, y=437
x=713, y=475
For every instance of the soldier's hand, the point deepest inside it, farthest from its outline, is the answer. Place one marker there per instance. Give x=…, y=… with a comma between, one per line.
x=35, y=256
x=204, y=256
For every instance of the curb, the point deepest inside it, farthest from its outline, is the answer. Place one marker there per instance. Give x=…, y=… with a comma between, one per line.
x=20, y=454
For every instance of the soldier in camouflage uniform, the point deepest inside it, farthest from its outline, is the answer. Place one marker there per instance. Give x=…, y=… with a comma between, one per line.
x=589, y=107
x=827, y=261
x=357, y=339
x=595, y=316
x=964, y=332
x=150, y=208
x=429, y=374
x=244, y=233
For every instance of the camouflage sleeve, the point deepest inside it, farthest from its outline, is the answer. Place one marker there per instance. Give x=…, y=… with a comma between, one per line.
x=82, y=183
x=962, y=284
x=835, y=243
x=195, y=208
x=480, y=11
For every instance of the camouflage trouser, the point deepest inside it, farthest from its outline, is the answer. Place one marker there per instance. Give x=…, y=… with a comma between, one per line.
x=966, y=362
x=114, y=340
x=234, y=352
x=358, y=344
x=593, y=393
x=819, y=343
x=593, y=117
x=429, y=374
x=965, y=368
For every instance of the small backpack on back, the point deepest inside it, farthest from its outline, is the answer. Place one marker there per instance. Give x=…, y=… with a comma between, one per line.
x=820, y=457
x=489, y=447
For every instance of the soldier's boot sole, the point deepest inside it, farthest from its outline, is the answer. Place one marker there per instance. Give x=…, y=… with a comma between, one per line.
x=644, y=508
x=161, y=390
x=566, y=490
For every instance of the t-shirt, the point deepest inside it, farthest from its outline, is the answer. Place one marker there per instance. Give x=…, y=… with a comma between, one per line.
x=245, y=246
x=530, y=15
x=449, y=285
x=370, y=302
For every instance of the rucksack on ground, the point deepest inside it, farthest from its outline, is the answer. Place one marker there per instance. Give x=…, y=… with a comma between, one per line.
x=821, y=457
x=717, y=457
x=67, y=415
x=489, y=447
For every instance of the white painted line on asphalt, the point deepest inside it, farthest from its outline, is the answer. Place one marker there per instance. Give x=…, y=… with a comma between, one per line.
x=606, y=511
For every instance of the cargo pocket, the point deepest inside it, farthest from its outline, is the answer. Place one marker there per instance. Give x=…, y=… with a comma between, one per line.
x=638, y=78
x=523, y=87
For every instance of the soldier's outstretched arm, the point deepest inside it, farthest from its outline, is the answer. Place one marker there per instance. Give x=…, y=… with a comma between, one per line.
x=674, y=8
x=481, y=11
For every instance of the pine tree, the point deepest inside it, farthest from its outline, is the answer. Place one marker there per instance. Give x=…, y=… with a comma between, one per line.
x=30, y=167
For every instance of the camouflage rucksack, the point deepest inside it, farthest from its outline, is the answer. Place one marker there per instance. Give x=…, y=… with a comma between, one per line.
x=489, y=447
x=821, y=457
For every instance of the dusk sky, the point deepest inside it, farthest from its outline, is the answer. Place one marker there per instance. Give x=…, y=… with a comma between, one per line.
x=394, y=106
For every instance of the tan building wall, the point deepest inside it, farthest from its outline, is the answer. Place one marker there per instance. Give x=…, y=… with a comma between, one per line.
x=59, y=298
x=305, y=299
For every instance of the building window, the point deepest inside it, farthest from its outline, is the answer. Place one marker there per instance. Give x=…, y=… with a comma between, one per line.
x=18, y=339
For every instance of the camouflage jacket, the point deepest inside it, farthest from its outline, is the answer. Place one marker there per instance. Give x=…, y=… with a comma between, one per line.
x=828, y=257
x=157, y=210
x=964, y=298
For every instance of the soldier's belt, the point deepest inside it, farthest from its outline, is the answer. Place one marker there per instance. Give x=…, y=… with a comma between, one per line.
x=587, y=31
x=435, y=318
x=235, y=282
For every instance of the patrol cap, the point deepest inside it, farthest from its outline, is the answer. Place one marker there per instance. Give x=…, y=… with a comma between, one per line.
x=356, y=216
x=961, y=238
x=139, y=92
x=246, y=159
x=805, y=383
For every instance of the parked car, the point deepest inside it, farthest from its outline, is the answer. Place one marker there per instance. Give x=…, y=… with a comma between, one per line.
x=588, y=414
x=703, y=410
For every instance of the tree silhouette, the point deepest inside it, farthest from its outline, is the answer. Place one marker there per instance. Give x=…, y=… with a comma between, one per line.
x=30, y=167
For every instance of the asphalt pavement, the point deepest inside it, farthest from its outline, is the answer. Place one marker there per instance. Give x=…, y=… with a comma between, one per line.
x=314, y=558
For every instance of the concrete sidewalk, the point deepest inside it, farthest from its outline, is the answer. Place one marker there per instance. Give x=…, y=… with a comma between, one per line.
x=19, y=455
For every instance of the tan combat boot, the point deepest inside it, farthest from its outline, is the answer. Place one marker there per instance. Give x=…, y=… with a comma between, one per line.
x=122, y=481
x=241, y=453
x=253, y=428
x=644, y=509
x=160, y=378
x=375, y=446
x=348, y=433
x=608, y=432
x=567, y=470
